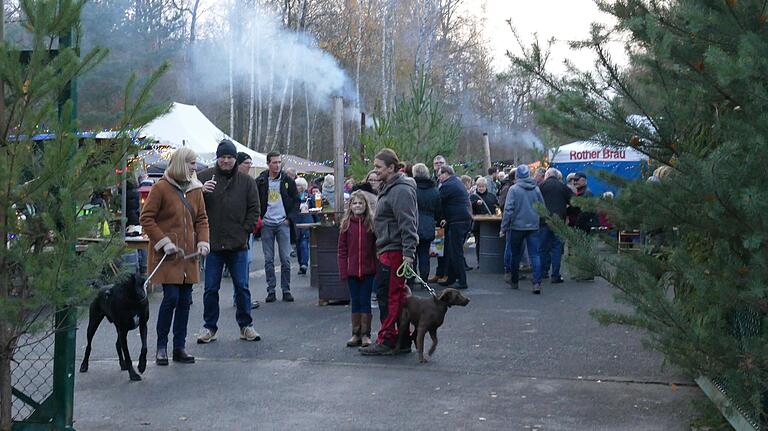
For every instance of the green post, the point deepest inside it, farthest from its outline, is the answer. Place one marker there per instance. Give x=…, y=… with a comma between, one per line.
x=64, y=368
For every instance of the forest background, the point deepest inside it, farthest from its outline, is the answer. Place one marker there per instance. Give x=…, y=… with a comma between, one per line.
x=264, y=70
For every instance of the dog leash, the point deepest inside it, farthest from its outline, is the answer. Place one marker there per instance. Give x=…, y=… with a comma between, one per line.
x=146, y=282
x=406, y=271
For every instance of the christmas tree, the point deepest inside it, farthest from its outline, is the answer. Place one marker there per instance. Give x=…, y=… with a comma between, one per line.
x=695, y=100
x=45, y=183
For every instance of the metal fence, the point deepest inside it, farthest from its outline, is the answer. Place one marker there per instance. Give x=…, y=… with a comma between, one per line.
x=43, y=375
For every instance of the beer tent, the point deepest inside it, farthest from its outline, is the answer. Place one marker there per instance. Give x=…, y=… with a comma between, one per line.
x=185, y=125
x=590, y=157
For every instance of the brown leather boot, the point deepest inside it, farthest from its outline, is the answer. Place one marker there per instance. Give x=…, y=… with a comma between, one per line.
x=355, y=340
x=365, y=329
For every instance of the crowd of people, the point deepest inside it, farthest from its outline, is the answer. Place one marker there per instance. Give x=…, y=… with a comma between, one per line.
x=389, y=222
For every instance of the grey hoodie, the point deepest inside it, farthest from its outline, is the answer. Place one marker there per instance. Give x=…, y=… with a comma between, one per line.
x=396, y=216
x=519, y=213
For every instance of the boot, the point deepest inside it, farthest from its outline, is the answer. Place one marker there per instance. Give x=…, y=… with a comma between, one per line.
x=365, y=329
x=180, y=355
x=355, y=340
x=161, y=358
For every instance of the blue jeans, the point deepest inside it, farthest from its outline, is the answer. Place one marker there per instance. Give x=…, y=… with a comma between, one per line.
x=360, y=293
x=515, y=240
x=551, y=251
x=282, y=233
x=237, y=263
x=422, y=258
x=302, y=246
x=455, y=235
x=178, y=298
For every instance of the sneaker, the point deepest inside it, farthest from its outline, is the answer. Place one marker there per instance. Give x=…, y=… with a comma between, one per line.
x=557, y=280
x=302, y=269
x=507, y=277
x=271, y=297
x=247, y=333
x=206, y=336
x=287, y=297
x=537, y=288
x=254, y=304
x=377, y=349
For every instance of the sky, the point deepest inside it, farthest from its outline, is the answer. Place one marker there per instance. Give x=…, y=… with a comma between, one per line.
x=565, y=20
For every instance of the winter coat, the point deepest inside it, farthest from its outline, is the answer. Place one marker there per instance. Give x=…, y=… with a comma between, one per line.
x=504, y=190
x=305, y=217
x=357, y=250
x=396, y=219
x=288, y=193
x=519, y=211
x=584, y=220
x=233, y=208
x=556, y=195
x=132, y=204
x=430, y=208
x=166, y=219
x=490, y=202
x=455, y=201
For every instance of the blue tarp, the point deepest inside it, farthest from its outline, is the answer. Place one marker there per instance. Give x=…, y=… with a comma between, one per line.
x=589, y=157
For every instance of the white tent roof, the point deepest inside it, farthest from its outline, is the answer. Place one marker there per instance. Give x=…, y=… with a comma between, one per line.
x=586, y=151
x=185, y=125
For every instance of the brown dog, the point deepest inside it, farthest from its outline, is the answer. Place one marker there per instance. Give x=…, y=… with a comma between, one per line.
x=426, y=315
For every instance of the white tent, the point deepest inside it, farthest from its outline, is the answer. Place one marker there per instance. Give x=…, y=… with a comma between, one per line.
x=185, y=125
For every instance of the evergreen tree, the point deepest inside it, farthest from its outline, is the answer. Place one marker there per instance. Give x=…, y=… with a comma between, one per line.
x=698, y=76
x=44, y=185
x=417, y=129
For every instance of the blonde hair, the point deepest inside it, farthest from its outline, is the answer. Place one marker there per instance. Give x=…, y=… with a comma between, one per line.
x=367, y=216
x=481, y=180
x=467, y=180
x=177, y=165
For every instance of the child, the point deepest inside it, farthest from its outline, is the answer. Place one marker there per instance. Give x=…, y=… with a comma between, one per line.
x=357, y=264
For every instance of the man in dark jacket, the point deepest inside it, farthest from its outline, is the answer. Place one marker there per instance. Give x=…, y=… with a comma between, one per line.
x=279, y=206
x=232, y=204
x=457, y=218
x=396, y=241
x=430, y=210
x=557, y=197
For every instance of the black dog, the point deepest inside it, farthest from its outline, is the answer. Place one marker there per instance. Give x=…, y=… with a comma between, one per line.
x=124, y=304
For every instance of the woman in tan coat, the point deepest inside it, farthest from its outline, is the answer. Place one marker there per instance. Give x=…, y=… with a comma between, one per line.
x=175, y=220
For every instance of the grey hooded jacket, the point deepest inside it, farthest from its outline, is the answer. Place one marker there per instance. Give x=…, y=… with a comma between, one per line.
x=396, y=216
x=519, y=213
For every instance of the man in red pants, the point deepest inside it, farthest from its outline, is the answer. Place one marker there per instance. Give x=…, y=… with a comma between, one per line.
x=396, y=239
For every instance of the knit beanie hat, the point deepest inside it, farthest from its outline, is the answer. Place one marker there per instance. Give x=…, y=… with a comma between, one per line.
x=522, y=172
x=226, y=148
x=241, y=157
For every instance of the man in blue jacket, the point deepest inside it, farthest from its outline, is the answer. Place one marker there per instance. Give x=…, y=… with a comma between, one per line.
x=457, y=219
x=521, y=223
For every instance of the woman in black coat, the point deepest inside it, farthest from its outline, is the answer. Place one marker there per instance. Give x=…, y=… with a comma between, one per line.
x=429, y=211
x=483, y=203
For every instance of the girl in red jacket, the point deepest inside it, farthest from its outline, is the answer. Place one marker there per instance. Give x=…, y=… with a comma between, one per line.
x=357, y=264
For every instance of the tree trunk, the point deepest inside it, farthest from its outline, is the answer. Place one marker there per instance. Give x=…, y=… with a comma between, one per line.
x=251, y=94
x=359, y=55
x=269, y=96
x=190, y=54
x=231, y=94
x=279, y=121
x=290, y=123
x=384, y=18
x=309, y=130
